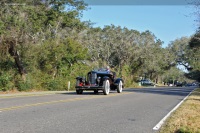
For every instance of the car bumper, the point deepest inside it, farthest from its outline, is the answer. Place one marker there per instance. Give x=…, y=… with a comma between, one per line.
x=89, y=87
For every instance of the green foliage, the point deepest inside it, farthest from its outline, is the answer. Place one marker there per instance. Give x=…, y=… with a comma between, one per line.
x=187, y=53
x=36, y=43
x=172, y=75
x=55, y=84
x=6, y=75
x=46, y=45
x=129, y=80
x=23, y=85
x=6, y=82
x=2, y=28
x=195, y=42
x=184, y=130
x=194, y=75
x=194, y=51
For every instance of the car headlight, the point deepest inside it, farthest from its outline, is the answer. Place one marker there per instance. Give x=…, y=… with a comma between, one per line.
x=98, y=79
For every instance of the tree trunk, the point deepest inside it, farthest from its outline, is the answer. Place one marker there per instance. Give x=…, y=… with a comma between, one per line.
x=14, y=53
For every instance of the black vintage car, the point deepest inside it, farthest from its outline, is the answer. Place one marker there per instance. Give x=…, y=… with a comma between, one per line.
x=100, y=79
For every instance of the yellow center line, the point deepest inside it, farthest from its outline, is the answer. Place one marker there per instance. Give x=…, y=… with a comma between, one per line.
x=26, y=95
x=60, y=101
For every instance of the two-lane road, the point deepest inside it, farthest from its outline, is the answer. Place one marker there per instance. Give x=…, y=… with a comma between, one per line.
x=133, y=111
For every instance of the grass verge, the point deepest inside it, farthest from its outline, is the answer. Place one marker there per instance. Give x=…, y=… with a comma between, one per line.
x=186, y=119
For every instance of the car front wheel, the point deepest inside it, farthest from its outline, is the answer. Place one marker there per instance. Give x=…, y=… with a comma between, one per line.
x=119, y=87
x=106, y=87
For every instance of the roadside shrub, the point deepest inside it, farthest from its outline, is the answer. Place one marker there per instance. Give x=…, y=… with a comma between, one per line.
x=36, y=79
x=128, y=78
x=23, y=86
x=56, y=84
x=53, y=85
x=5, y=82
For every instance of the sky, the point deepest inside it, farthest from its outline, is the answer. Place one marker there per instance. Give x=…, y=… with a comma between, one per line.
x=167, y=22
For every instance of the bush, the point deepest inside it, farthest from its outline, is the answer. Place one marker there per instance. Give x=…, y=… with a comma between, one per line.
x=56, y=84
x=24, y=85
x=5, y=82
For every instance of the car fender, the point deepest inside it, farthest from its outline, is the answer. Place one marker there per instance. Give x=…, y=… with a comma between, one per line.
x=105, y=77
x=78, y=78
x=116, y=82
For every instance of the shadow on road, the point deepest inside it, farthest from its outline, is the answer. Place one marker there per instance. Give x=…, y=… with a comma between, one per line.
x=88, y=93
x=181, y=91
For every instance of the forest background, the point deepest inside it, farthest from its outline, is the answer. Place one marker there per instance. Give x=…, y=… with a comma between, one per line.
x=44, y=45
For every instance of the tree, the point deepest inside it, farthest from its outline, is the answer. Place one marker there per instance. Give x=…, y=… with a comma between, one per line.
x=33, y=37
x=31, y=22
x=180, y=52
x=194, y=51
x=172, y=75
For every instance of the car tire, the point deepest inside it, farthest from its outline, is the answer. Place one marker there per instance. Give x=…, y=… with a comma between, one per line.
x=106, y=87
x=95, y=91
x=79, y=91
x=119, y=87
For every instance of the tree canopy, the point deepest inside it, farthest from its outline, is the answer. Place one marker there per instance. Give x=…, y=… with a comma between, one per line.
x=44, y=44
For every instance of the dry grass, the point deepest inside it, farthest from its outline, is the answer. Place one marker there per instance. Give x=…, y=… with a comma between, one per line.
x=186, y=119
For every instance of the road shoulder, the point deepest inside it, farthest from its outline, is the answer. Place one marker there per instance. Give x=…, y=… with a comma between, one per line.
x=186, y=118
x=20, y=94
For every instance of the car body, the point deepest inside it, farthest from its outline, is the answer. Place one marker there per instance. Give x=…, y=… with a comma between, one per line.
x=179, y=84
x=100, y=79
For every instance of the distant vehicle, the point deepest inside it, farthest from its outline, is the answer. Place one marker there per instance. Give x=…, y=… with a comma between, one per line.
x=191, y=84
x=100, y=79
x=179, y=84
x=194, y=84
x=188, y=84
x=147, y=82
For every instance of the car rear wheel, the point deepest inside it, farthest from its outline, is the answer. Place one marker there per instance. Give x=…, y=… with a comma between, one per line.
x=119, y=87
x=106, y=87
x=79, y=91
x=95, y=91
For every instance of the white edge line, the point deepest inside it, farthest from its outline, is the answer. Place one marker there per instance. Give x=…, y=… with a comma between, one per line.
x=157, y=127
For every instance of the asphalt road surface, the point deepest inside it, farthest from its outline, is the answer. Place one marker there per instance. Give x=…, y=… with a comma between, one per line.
x=133, y=111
